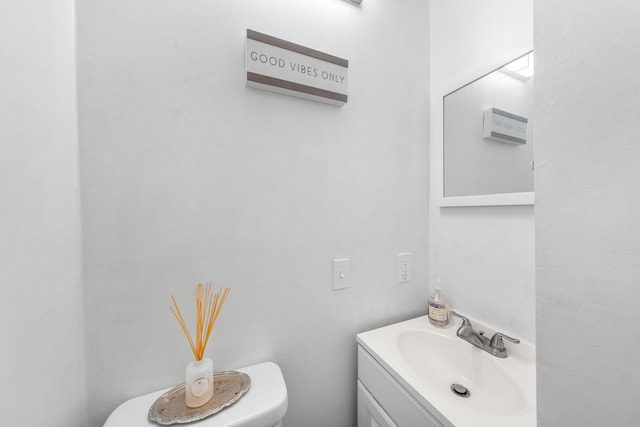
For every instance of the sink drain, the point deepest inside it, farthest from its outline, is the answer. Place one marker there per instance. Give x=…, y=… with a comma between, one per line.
x=460, y=390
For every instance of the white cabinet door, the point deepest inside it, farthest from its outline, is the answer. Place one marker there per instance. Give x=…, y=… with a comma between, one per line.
x=370, y=414
x=400, y=408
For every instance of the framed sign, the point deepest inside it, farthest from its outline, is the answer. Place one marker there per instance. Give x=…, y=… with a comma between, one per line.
x=503, y=126
x=283, y=67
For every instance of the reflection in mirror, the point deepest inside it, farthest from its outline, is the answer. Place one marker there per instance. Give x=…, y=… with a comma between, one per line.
x=488, y=138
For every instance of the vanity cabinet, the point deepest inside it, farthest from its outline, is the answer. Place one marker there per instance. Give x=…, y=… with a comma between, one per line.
x=383, y=401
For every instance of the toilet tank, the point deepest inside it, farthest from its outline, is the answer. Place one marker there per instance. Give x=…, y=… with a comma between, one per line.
x=264, y=405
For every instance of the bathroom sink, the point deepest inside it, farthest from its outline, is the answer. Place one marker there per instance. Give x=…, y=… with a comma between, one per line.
x=428, y=360
x=443, y=361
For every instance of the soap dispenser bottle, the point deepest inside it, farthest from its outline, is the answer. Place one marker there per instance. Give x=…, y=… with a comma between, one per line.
x=438, y=309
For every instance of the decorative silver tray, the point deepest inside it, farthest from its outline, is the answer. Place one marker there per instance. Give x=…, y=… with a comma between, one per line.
x=170, y=408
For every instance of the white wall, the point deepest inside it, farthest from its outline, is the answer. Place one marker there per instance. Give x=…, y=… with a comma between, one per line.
x=587, y=226
x=483, y=256
x=41, y=345
x=190, y=176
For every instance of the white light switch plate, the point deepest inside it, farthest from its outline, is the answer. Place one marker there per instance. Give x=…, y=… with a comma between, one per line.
x=341, y=274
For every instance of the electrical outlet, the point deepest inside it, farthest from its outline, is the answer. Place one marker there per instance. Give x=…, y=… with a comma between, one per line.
x=404, y=267
x=341, y=274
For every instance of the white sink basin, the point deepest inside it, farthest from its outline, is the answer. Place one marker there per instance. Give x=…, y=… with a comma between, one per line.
x=442, y=360
x=428, y=360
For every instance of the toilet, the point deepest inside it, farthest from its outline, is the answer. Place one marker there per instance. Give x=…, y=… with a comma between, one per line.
x=264, y=405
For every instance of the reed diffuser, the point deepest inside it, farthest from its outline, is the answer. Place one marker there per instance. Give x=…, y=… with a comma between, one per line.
x=199, y=374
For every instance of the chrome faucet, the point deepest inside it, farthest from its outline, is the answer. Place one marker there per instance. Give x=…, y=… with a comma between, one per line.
x=494, y=346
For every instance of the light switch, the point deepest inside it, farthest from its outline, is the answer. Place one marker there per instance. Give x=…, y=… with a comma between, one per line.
x=341, y=274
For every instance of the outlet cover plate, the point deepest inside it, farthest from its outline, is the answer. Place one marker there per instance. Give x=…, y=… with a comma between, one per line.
x=404, y=269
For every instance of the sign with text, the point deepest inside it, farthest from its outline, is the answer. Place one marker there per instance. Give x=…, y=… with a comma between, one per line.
x=280, y=66
x=502, y=126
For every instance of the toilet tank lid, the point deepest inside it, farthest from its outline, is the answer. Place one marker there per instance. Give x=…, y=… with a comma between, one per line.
x=265, y=403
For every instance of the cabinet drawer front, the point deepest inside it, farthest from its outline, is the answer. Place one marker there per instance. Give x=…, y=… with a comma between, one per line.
x=370, y=414
x=398, y=404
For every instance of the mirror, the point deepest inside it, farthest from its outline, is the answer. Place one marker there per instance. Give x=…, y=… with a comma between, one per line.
x=488, y=138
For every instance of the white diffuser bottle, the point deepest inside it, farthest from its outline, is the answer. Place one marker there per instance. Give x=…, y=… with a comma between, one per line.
x=198, y=382
x=199, y=374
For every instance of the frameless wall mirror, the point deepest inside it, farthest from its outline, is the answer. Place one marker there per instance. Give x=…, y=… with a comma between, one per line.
x=488, y=138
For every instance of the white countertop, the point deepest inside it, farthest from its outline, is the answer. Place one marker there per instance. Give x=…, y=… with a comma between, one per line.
x=502, y=390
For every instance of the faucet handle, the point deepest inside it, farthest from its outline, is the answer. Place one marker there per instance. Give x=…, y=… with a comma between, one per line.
x=465, y=321
x=497, y=343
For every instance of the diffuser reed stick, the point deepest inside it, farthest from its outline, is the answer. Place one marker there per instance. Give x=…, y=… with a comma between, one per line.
x=208, y=308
